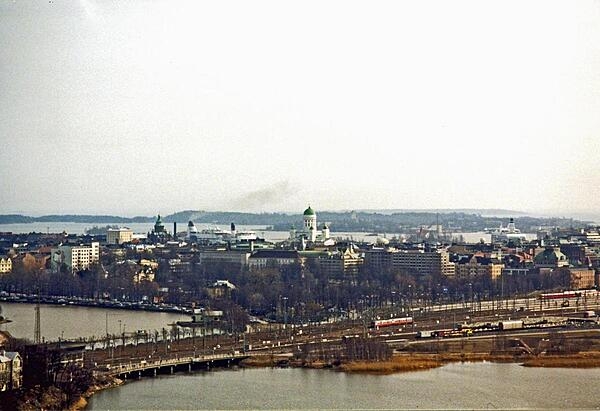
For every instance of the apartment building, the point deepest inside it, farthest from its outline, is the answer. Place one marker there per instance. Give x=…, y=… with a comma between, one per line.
x=340, y=263
x=421, y=262
x=478, y=267
x=434, y=263
x=76, y=258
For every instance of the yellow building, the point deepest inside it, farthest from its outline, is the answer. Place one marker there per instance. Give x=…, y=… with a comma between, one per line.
x=5, y=265
x=119, y=235
x=477, y=267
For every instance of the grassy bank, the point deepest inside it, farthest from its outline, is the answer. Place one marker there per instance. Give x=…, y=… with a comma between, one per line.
x=266, y=361
x=417, y=362
x=580, y=360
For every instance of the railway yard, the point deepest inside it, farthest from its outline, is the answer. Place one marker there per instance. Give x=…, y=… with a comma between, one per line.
x=520, y=328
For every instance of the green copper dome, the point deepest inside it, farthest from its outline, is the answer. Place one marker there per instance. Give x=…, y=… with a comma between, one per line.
x=309, y=211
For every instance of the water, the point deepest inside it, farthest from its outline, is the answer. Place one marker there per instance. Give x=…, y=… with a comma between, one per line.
x=139, y=228
x=79, y=228
x=73, y=322
x=464, y=386
x=142, y=228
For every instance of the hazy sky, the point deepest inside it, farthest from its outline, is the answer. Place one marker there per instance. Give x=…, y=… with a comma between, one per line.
x=138, y=107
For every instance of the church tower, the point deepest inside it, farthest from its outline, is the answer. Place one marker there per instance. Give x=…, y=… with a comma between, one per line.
x=310, y=224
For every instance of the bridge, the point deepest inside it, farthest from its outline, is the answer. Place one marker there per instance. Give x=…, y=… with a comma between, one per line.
x=168, y=366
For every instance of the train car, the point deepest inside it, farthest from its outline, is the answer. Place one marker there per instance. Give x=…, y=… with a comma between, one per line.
x=426, y=334
x=560, y=295
x=510, y=325
x=392, y=322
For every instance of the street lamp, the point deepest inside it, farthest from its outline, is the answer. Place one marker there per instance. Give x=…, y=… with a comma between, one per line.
x=471, y=293
x=284, y=312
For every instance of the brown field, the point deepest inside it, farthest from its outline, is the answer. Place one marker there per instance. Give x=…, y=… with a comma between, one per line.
x=581, y=360
x=417, y=362
x=259, y=361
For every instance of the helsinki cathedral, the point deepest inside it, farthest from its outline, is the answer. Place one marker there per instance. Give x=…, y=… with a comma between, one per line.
x=310, y=231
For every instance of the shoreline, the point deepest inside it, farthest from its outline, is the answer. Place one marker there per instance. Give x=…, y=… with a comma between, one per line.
x=421, y=361
x=397, y=364
x=81, y=403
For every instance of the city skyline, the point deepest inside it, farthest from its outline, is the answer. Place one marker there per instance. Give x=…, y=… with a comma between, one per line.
x=134, y=108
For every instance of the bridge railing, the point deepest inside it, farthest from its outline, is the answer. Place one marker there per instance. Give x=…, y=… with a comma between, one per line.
x=122, y=368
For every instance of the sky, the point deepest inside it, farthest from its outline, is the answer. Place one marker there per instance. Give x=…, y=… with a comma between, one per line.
x=139, y=107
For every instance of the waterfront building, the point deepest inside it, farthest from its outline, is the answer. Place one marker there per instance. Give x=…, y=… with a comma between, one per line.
x=119, y=236
x=76, y=258
x=5, y=265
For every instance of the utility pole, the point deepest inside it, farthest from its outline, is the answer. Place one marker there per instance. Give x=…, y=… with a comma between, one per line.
x=37, y=334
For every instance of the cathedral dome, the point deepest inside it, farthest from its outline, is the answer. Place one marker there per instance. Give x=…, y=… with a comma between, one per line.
x=309, y=212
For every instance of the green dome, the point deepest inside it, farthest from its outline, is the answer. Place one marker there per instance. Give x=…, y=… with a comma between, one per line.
x=309, y=211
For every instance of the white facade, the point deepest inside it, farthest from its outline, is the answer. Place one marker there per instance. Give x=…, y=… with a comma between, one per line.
x=510, y=232
x=119, y=235
x=310, y=231
x=76, y=258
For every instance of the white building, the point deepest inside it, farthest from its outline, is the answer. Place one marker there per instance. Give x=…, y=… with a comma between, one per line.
x=310, y=231
x=217, y=235
x=119, y=235
x=76, y=258
x=510, y=232
x=11, y=370
x=273, y=258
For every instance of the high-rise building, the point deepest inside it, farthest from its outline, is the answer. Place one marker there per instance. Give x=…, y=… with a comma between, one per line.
x=76, y=258
x=421, y=262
